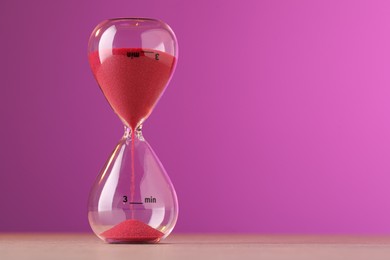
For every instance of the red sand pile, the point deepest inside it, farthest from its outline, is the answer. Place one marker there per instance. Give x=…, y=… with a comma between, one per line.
x=132, y=231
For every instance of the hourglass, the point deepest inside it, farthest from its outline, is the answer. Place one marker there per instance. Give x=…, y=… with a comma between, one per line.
x=132, y=200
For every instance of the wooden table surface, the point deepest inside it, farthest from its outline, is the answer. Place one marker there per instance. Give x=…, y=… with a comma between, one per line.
x=187, y=247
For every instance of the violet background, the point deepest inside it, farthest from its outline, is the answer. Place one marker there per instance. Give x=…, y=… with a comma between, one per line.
x=277, y=119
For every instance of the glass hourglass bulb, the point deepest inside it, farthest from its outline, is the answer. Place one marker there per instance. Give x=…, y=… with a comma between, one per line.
x=133, y=199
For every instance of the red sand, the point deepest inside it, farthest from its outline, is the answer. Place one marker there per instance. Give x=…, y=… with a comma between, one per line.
x=132, y=80
x=132, y=177
x=132, y=231
x=132, y=85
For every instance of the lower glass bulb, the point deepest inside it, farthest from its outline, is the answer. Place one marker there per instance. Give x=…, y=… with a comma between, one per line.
x=133, y=199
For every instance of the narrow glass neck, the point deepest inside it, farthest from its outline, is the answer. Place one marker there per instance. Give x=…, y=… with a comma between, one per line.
x=137, y=133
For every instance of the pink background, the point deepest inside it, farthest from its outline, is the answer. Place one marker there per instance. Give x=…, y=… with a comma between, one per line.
x=277, y=119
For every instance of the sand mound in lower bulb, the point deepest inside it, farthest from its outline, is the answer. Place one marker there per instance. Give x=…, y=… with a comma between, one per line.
x=132, y=231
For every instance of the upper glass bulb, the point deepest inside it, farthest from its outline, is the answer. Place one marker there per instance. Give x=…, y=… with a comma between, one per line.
x=132, y=60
